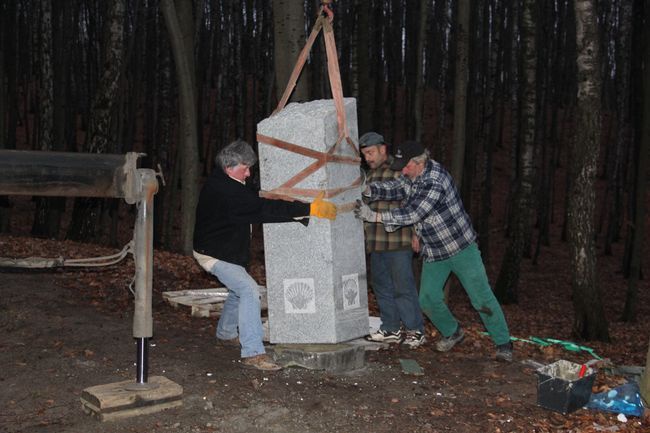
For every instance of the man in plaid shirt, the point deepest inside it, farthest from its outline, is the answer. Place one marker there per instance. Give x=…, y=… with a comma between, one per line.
x=431, y=204
x=391, y=258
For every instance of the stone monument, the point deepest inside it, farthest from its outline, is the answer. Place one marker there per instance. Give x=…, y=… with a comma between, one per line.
x=315, y=274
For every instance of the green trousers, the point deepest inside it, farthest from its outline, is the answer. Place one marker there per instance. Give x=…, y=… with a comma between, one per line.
x=468, y=267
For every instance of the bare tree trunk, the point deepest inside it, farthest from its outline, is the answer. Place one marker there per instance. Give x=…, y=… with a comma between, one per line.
x=240, y=85
x=616, y=175
x=289, y=38
x=638, y=228
x=41, y=226
x=161, y=138
x=366, y=75
x=180, y=34
x=377, y=62
x=100, y=138
x=495, y=85
x=441, y=10
x=460, y=91
x=4, y=200
x=418, y=98
x=4, y=23
x=508, y=280
x=644, y=385
x=8, y=101
x=589, y=320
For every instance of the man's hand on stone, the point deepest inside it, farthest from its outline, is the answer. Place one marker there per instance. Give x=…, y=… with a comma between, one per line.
x=363, y=212
x=321, y=208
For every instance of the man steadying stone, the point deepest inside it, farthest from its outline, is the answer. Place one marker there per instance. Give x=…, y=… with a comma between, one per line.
x=226, y=209
x=431, y=203
x=391, y=258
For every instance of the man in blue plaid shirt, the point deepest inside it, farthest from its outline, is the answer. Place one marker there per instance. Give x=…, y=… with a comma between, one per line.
x=447, y=242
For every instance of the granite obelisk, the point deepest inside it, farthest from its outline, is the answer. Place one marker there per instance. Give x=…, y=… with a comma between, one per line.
x=315, y=274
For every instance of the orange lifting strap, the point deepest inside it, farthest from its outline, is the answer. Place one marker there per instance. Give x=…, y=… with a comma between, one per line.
x=287, y=190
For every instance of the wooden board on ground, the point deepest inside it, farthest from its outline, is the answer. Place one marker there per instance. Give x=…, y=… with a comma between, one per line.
x=204, y=302
x=121, y=400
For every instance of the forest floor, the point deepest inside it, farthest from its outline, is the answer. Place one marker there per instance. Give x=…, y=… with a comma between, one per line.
x=65, y=330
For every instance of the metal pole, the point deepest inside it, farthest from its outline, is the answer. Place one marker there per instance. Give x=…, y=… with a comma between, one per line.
x=142, y=363
x=143, y=257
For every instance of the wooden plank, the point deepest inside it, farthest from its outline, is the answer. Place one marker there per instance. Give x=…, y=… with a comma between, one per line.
x=204, y=302
x=120, y=400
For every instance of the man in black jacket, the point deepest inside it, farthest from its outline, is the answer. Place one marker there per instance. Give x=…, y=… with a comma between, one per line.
x=226, y=209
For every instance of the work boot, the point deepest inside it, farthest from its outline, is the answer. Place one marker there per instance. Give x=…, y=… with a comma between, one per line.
x=232, y=342
x=504, y=352
x=446, y=343
x=260, y=362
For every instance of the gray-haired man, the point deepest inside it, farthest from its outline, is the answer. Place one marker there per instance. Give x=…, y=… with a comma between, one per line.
x=226, y=209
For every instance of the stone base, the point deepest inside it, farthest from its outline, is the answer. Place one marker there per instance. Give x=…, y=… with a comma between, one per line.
x=329, y=357
x=126, y=399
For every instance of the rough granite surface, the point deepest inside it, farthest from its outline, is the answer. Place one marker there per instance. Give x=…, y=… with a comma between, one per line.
x=315, y=275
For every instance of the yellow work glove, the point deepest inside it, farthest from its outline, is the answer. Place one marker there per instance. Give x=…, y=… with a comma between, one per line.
x=321, y=208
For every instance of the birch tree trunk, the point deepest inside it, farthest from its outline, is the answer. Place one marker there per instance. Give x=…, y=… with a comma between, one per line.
x=589, y=315
x=180, y=33
x=289, y=39
x=506, y=285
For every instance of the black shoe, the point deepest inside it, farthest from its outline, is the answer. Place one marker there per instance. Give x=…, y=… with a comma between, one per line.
x=382, y=336
x=414, y=339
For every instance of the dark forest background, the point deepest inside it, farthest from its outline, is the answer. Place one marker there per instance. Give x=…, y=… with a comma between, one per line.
x=557, y=86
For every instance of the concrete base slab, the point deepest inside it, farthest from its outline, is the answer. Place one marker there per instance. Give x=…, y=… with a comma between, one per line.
x=127, y=399
x=330, y=357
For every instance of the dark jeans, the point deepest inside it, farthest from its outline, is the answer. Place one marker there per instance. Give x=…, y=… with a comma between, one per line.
x=394, y=286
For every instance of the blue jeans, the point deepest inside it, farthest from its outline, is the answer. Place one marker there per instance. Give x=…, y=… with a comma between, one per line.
x=395, y=290
x=241, y=314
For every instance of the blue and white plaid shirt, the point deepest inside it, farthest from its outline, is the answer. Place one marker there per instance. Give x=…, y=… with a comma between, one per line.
x=432, y=205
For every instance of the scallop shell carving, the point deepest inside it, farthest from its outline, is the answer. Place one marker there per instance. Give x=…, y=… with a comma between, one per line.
x=350, y=292
x=299, y=294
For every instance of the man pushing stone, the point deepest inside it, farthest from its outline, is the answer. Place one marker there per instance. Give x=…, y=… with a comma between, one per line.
x=226, y=209
x=391, y=258
x=431, y=204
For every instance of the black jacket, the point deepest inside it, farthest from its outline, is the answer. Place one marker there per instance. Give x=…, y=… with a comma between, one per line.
x=225, y=211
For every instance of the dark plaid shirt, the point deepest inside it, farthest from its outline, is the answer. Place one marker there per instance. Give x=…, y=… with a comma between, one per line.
x=433, y=206
x=377, y=238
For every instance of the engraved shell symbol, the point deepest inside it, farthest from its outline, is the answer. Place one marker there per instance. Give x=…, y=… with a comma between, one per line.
x=350, y=291
x=299, y=294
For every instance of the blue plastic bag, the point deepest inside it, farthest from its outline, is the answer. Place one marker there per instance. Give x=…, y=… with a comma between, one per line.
x=624, y=399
